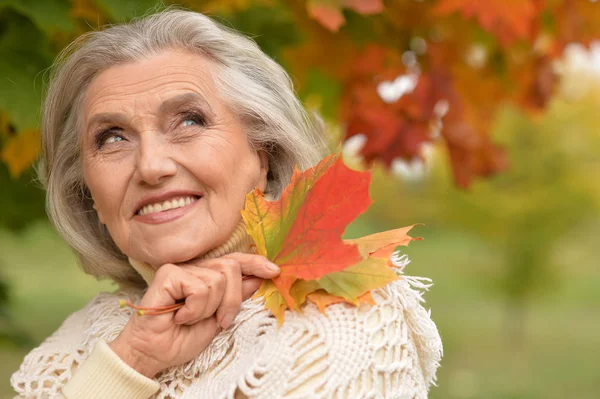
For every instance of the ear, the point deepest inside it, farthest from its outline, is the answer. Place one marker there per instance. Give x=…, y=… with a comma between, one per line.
x=98, y=213
x=264, y=170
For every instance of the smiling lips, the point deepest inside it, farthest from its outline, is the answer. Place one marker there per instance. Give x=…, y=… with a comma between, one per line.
x=174, y=203
x=165, y=211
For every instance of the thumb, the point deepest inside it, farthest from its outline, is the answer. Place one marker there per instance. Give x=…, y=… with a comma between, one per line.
x=255, y=265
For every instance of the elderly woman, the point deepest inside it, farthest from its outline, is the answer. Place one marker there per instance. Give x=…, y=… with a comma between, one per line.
x=153, y=133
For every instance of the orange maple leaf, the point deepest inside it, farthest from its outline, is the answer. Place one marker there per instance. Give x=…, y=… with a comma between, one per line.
x=301, y=232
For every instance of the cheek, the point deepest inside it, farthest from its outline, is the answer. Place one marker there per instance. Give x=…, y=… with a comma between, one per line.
x=106, y=189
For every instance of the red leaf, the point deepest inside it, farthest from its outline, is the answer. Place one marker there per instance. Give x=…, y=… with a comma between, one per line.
x=326, y=14
x=313, y=246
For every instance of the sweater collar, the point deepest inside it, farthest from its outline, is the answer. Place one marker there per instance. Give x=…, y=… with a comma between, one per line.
x=239, y=241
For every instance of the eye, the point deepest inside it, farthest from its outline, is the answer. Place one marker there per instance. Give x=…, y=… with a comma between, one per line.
x=192, y=118
x=189, y=122
x=108, y=136
x=113, y=139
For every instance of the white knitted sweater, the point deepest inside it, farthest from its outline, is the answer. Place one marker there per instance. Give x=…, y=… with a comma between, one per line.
x=390, y=350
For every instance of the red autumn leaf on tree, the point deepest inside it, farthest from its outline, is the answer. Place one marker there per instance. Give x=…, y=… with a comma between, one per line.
x=397, y=127
x=329, y=12
x=302, y=233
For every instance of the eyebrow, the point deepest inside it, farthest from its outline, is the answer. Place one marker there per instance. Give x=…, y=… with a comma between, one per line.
x=106, y=118
x=176, y=102
x=167, y=106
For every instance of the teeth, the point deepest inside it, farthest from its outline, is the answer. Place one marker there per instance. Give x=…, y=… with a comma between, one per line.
x=166, y=205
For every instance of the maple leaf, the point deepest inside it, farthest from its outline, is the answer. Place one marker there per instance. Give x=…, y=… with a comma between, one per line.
x=329, y=12
x=301, y=232
x=312, y=211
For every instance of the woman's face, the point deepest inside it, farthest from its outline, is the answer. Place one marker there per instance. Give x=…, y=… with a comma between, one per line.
x=167, y=163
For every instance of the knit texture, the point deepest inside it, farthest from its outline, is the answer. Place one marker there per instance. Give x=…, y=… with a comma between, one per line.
x=390, y=350
x=105, y=375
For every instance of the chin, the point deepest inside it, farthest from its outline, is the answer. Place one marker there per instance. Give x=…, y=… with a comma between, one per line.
x=175, y=249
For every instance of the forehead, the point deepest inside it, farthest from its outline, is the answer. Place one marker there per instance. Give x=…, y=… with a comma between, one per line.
x=149, y=81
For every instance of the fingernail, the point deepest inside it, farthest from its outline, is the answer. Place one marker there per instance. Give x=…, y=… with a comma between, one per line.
x=226, y=321
x=272, y=266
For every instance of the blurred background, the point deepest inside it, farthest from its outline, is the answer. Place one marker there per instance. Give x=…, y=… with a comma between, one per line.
x=480, y=120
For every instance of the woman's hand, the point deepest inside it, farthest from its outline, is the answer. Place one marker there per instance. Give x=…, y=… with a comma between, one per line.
x=213, y=291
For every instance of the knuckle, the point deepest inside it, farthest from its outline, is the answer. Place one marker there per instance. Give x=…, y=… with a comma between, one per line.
x=219, y=281
x=229, y=263
x=235, y=267
x=164, y=271
x=202, y=290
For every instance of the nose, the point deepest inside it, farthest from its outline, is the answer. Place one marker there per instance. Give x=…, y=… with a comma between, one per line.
x=155, y=163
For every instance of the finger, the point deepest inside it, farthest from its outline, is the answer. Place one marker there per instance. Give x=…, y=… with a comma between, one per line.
x=169, y=285
x=250, y=286
x=195, y=304
x=232, y=298
x=255, y=265
x=209, y=287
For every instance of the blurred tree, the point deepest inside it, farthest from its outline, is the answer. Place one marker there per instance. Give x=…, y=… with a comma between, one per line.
x=524, y=213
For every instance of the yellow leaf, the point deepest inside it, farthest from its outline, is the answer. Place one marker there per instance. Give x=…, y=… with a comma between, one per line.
x=274, y=301
x=300, y=289
x=20, y=151
x=386, y=240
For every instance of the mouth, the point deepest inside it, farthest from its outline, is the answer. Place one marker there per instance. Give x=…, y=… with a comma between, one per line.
x=167, y=205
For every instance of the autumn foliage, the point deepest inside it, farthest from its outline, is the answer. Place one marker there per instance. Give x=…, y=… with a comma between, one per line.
x=400, y=72
x=460, y=59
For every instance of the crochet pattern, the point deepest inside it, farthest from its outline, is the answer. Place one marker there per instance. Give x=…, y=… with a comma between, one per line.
x=390, y=350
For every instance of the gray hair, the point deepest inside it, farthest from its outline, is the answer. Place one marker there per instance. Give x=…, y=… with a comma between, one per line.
x=253, y=85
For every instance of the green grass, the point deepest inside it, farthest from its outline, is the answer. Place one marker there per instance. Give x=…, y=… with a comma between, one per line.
x=555, y=357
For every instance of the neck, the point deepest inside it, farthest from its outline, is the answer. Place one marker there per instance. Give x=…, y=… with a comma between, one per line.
x=239, y=241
